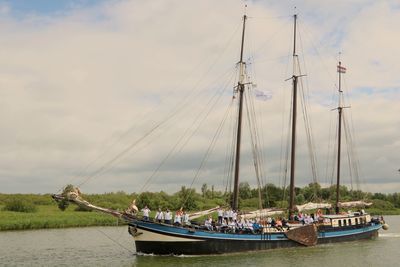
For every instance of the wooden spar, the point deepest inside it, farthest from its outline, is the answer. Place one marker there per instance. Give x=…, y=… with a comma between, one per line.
x=83, y=203
x=294, y=117
x=340, y=108
x=339, y=141
x=240, y=88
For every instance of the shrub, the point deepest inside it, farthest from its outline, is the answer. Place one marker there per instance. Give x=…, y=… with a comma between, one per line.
x=82, y=208
x=19, y=205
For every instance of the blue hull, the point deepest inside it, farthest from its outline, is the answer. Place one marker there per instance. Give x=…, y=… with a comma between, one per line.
x=179, y=240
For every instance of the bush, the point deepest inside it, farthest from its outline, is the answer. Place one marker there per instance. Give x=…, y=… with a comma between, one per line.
x=19, y=205
x=82, y=208
x=382, y=204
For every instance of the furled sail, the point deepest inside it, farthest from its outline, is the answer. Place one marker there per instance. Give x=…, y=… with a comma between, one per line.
x=313, y=206
x=354, y=204
x=196, y=215
x=262, y=213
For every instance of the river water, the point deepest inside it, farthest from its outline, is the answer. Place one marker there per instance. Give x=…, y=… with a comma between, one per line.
x=112, y=246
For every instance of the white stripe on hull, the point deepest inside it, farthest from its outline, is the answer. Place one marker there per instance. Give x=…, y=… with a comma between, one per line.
x=144, y=235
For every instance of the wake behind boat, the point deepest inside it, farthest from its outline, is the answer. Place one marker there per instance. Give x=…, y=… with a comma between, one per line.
x=256, y=230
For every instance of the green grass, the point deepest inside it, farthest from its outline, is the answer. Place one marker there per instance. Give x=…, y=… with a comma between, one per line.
x=375, y=211
x=50, y=216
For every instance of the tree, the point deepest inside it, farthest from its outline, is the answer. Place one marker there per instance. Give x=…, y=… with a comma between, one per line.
x=186, y=199
x=244, y=190
x=204, y=190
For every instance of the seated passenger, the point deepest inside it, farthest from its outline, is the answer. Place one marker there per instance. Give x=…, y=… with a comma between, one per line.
x=278, y=225
x=256, y=227
x=185, y=219
x=232, y=226
x=208, y=223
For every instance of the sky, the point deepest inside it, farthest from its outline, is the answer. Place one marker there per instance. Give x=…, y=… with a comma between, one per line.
x=127, y=95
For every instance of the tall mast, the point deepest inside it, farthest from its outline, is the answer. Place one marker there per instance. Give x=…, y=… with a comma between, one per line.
x=340, y=108
x=294, y=118
x=240, y=88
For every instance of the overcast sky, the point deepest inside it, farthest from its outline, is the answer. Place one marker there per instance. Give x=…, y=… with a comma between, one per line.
x=82, y=82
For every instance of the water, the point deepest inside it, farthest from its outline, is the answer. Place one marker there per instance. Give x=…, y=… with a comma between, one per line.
x=112, y=246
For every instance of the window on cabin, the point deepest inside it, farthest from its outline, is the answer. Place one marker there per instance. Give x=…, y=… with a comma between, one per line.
x=349, y=221
x=340, y=222
x=344, y=222
x=356, y=220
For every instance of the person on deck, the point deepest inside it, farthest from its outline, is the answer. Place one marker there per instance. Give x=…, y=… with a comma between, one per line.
x=146, y=212
x=226, y=215
x=168, y=217
x=300, y=216
x=178, y=218
x=269, y=221
x=220, y=215
x=234, y=215
x=208, y=223
x=159, y=216
x=257, y=227
x=248, y=226
x=285, y=224
x=230, y=214
x=232, y=226
x=278, y=225
x=273, y=222
x=185, y=218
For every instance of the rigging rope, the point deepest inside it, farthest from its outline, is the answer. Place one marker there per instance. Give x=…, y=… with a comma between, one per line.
x=209, y=149
x=183, y=139
x=105, y=167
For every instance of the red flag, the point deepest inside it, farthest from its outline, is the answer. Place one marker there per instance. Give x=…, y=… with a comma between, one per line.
x=341, y=69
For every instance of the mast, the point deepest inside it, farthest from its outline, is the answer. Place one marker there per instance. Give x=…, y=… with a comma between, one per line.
x=240, y=88
x=340, y=108
x=294, y=118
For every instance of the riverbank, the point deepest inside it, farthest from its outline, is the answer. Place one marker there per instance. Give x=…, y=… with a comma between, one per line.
x=42, y=212
x=49, y=216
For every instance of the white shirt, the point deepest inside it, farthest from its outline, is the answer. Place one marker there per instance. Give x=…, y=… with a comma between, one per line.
x=159, y=215
x=146, y=212
x=186, y=218
x=168, y=215
x=234, y=215
x=220, y=213
x=177, y=218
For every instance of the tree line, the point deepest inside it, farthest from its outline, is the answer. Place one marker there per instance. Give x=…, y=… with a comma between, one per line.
x=189, y=199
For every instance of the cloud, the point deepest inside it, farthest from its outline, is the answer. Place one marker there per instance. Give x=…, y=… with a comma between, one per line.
x=80, y=86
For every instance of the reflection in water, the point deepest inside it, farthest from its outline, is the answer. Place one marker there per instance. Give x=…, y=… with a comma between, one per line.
x=112, y=246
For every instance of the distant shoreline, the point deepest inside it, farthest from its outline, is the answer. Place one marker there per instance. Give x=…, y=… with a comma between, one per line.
x=42, y=212
x=50, y=217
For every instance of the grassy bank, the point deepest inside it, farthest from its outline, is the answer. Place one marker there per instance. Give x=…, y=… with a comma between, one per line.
x=40, y=211
x=49, y=216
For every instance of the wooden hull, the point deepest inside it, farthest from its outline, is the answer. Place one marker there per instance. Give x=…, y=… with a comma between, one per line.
x=165, y=240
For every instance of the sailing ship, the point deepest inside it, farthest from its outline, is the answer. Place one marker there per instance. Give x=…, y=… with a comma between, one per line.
x=163, y=238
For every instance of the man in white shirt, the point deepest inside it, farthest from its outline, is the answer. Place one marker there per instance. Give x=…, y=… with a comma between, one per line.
x=220, y=215
x=159, y=216
x=146, y=212
x=185, y=218
x=208, y=223
x=168, y=217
